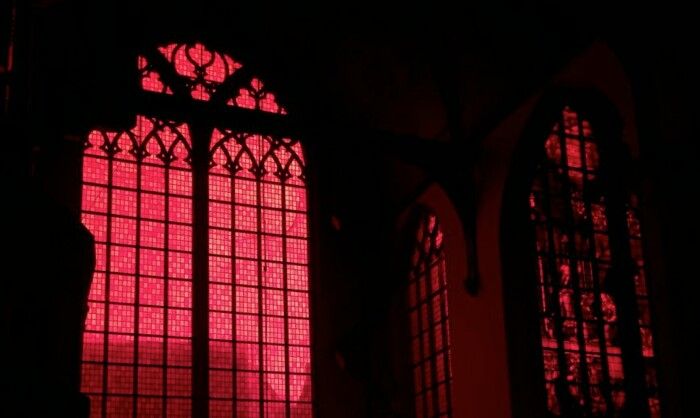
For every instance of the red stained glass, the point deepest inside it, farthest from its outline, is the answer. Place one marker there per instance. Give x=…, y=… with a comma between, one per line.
x=427, y=302
x=150, y=79
x=179, y=381
x=138, y=203
x=120, y=380
x=179, y=408
x=203, y=70
x=634, y=229
x=264, y=212
x=135, y=296
x=179, y=352
x=578, y=316
x=221, y=384
x=122, y=289
x=255, y=96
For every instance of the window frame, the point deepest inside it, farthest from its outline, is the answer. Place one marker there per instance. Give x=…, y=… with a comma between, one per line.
x=203, y=118
x=419, y=217
x=520, y=286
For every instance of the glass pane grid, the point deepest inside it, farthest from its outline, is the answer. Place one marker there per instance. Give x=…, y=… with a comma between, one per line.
x=582, y=352
x=137, y=201
x=263, y=344
x=137, y=344
x=428, y=321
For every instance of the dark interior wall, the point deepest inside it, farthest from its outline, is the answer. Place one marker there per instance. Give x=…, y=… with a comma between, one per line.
x=665, y=87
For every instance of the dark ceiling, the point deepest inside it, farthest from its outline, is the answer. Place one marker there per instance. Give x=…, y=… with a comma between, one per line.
x=433, y=71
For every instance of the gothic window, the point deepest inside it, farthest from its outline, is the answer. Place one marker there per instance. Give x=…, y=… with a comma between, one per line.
x=428, y=316
x=578, y=305
x=200, y=300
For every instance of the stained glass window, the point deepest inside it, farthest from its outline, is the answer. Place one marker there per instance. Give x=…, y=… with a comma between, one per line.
x=428, y=316
x=582, y=350
x=139, y=188
x=258, y=235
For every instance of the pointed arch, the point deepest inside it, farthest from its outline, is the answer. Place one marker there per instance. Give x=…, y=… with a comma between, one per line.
x=141, y=356
x=138, y=331
x=594, y=322
x=428, y=320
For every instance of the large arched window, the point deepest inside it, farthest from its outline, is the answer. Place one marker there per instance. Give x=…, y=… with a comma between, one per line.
x=428, y=316
x=200, y=301
x=583, y=241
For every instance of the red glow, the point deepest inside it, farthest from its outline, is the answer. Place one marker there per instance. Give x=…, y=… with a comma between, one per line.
x=429, y=327
x=646, y=334
x=137, y=201
x=150, y=79
x=203, y=69
x=256, y=97
x=255, y=291
x=578, y=316
x=124, y=202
